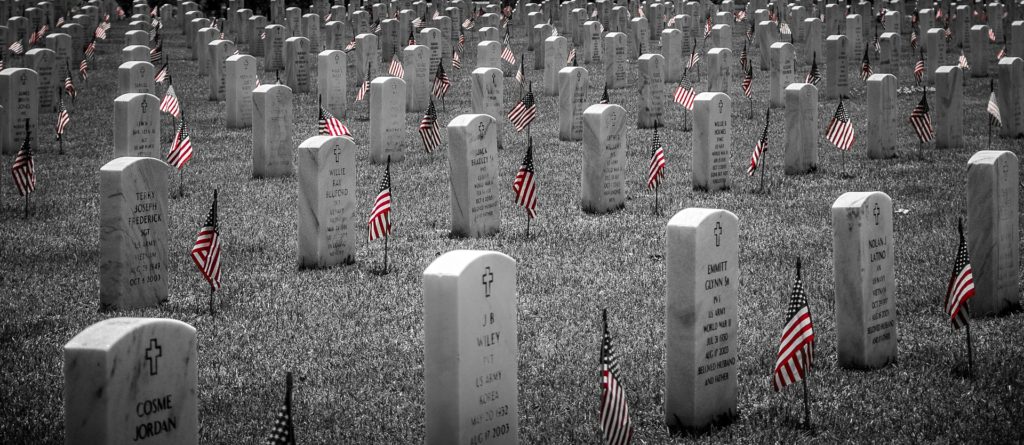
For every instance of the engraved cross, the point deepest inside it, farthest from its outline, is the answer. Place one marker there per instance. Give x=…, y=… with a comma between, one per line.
x=486, y=279
x=718, y=234
x=876, y=212
x=152, y=357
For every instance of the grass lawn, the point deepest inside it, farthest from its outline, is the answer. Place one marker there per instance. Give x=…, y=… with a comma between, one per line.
x=354, y=338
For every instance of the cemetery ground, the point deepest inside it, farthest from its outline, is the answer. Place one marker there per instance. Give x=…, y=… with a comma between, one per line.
x=354, y=337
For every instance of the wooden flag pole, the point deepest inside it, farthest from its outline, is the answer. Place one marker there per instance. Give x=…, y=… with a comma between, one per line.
x=181, y=183
x=386, y=253
x=26, y=205
x=212, y=312
x=656, y=210
x=807, y=405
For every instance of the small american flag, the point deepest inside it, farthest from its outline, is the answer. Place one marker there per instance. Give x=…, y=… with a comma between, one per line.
x=614, y=417
x=377, y=29
x=656, y=169
x=521, y=73
x=83, y=69
x=919, y=68
x=571, y=58
x=16, y=47
x=468, y=23
x=441, y=81
x=69, y=85
x=380, y=215
x=865, y=65
x=461, y=46
x=63, y=117
x=161, y=75
x=456, y=60
x=694, y=57
x=100, y=33
x=90, y=48
x=283, y=432
x=921, y=120
x=761, y=146
x=169, y=104
x=120, y=13
x=796, y=349
x=524, y=185
x=328, y=17
x=813, y=76
x=961, y=284
x=506, y=52
x=840, y=129
x=263, y=35
x=181, y=147
x=395, y=68
x=24, y=168
x=740, y=15
x=330, y=125
x=991, y=35
x=60, y=22
x=748, y=81
x=913, y=39
x=429, y=132
x=364, y=89
x=604, y=96
x=962, y=62
x=524, y=112
x=707, y=27
x=412, y=37
x=350, y=46
x=157, y=53
x=744, y=57
x=750, y=31
x=993, y=106
x=1001, y=53
x=685, y=93
x=206, y=251
x=418, y=22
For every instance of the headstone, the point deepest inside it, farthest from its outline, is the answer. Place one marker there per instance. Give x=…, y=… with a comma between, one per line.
x=135, y=53
x=327, y=202
x=1010, y=93
x=855, y=33
x=273, y=48
x=389, y=36
x=993, y=235
x=721, y=36
x=573, y=82
x=935, y=52
x=297, y=64
x=387, y=119
x=889, y=57
x=334, y=35
x=701, y=293
x=720, y=70
x=801, y=128
x=136, y=37
x=592, y=44
x=431, y=38
x=540, y=33
x=488, y=54
x=472, y=158
x=603, y=184
x=767, y=34
x=487, y=96
x=865, y=283
x=293, y=21
x=837, y=67
x=1016, y=39
x=672, y=48
x=257, y=43
x=137, y=126
x=812, y=41
x=882, y=116
x=240, y=72
x=639, y=40
x=650, y=69
x=332, y=72
x=616, y=69
x=416, y=62
x=44, y=62
x=978, y=51
x=367, y=55
x=783, y=72
x=272, y=124
x=133, y=233
x=130, y=380
x=556, y=51
x=219, y=51
x=948, y=107
x=19, y=98
x=60, y=43
x=135, y=77
x=712, y=141
x=311, y=31
x=470, y=367
x=203, y=38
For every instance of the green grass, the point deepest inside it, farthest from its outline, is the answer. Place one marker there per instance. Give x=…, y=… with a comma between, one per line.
x=354, y=339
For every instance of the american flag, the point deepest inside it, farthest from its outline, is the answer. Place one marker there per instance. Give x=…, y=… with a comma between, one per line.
x=604, y=96
x=157, y=53
x=377, y=29
x=395, y=68
x=169, y=104
x=1001, y=53
x=380, y=216
x=120, y=13
x=523, y=113
x=740, y=15
x=506, y=52
x=750, y=31
x=16, y=47
x=921, y=120
x=993, y=106
x=418, y=22
x=456, y=60
x=707, y=27
x=694, y=56
x=615, y=423
x=283, y=432
x=461, y=46
x=813, y=76
x=468, y=23
x=761, y=146
x=441, y=82
x=571, y=58
x=69, y=85
x=330, y=125
x=206, y=251
x=961, y=284
x=991, y=35
x=865, y=65
x=525, y=185
x=181, y=148
x=24, y=168
x=364, y=89
x=1, y=60
x=161, y=75
x=60, y=22
x=748, y=81
x=913, y=39
x=840, y=129
x=263, y=36
x=412, y=37
x=90, y=48
x=100, y=33
x=350, y=46
x=656, y=169
x=429, y=132
x=63, y=117
x=328, y=17
x=962, y=62
x=796, y=349
x=919, y=68
x=685, y=93
x=521, y=73
x=743, y=57
x=83, y=69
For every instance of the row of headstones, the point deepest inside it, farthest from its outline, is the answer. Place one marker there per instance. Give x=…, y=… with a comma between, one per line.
x=132, y=378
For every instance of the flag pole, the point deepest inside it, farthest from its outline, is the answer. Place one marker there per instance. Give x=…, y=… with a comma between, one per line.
x=26, y=205
x=212, y=312
x=764, y=165
x=970, y=352
x=807, y=405
x=527, y=226
x=386, y=253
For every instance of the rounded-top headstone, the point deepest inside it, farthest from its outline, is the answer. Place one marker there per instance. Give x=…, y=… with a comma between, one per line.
x=604, y=159
x=993, y=230
x=327, y=202
x=472, y=157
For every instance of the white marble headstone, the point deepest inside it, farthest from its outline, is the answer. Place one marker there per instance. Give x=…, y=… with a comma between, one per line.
x=603, y=183
x=993, y=230
x=327, y=201
x=473, y=158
